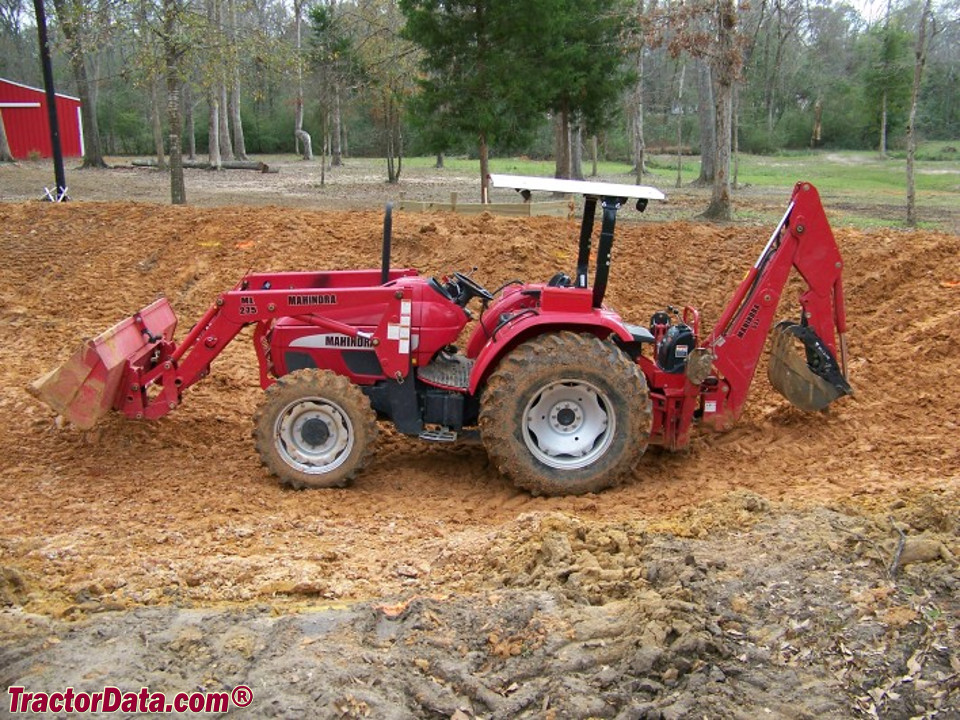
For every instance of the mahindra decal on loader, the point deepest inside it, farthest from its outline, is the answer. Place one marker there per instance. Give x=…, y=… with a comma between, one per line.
x=566, y=395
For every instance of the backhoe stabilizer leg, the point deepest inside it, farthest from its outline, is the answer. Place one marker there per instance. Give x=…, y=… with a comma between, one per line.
x=812, y=381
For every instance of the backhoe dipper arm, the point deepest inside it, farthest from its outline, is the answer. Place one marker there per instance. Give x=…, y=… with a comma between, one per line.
x=803, y=240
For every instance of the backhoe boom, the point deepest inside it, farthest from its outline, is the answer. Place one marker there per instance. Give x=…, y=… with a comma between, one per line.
x=803, y=240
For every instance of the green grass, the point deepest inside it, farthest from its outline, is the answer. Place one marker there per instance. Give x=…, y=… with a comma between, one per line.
x=855, y=172
x=862, y=189
x=842, y=171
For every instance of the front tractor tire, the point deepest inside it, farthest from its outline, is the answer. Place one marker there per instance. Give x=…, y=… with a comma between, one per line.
x=314, y=429
x=566, y=414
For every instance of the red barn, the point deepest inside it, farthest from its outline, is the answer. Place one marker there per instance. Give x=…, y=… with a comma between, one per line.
x=27, y=124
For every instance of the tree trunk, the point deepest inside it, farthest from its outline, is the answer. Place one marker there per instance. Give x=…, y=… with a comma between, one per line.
x=561, y=137
x=236, y=121
x=226, y=146
x=484, y=170
x=883, y=125
x=706, y=108
x=213, y=102
x=190, y=121
x=391, y=176
x=727, y=68
x=639, y=143
x=323, y=151
x=399, y=130
x=817, y=123
x=157, y=122
x=299, y=133
x=921, y=59
x=576, y=151
x=5, y=154
x=720, y=203
x=593, y=155
x=683, y=73
x=394, y=140
x=336, y=153
x=68, y=17
x=213, y=128
x=256, y=165
x=735, y=136
x=302, y=135
x=172, y=53
x=439, y=164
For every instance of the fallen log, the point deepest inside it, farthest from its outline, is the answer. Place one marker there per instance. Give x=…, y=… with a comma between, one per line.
x=204, y=165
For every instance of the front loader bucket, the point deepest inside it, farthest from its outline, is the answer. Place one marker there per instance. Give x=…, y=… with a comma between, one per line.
x=803, y=369
x=85, y=387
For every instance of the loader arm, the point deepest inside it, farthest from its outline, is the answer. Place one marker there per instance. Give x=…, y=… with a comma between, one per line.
x=136, y=367
x=803, y=240
x=177, y=367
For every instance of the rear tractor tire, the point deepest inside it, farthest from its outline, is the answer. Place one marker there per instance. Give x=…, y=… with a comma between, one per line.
x=566, y=414
x=314, y=429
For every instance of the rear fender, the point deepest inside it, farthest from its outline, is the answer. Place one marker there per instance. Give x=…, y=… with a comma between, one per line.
x=600, y=323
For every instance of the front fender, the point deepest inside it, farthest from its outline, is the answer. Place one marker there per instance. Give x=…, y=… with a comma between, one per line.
x=603, y=323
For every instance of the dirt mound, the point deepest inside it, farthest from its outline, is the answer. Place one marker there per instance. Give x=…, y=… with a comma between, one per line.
x=596, y=620
x=178, y=512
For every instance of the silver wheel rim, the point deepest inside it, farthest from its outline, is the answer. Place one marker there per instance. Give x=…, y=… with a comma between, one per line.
x=314, y=435
x=569, y=424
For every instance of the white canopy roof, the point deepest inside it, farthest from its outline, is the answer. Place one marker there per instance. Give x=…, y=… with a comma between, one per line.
x=577, y=187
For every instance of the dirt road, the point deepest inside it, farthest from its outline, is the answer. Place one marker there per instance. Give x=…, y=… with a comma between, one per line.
x=747, y=574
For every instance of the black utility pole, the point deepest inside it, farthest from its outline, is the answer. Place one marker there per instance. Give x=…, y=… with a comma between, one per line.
x=61, y=193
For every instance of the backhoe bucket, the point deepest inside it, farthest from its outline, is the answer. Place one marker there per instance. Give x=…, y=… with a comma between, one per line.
x=803, y=369
x=86, y=386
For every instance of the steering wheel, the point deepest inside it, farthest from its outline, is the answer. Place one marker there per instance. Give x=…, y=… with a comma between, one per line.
x=473, y=286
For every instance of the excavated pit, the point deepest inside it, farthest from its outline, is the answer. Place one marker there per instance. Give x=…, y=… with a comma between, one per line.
x=749, y=573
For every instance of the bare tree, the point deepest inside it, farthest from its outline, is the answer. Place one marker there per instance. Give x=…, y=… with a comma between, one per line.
x=682, y=74
x=236, y=122
x=336, y=148
x=681, y=29
x=921, y=59
x=707, y=116
x=299, y=133
x=173, y=51
x=727, y=63
x=213, y=99
x=70, y=14
x=639, y=141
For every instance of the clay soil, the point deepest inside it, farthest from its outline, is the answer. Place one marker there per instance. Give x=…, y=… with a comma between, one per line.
x=800, y=565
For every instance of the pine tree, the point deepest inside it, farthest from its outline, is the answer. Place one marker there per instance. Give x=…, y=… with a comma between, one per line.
x=482, y=69
x=583, y=66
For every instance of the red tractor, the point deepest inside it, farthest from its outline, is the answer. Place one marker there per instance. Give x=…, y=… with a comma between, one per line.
x=565, y=393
